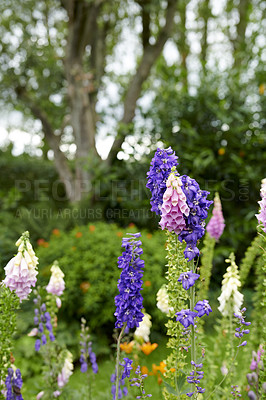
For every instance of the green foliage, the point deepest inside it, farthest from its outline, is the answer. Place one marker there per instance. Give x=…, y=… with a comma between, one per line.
x=223, y=150
x=88, y=258
x=260, y=294
x=9, y=303
x=176, y=264
x=251, y=258
x=30, y=199
x=206, y=266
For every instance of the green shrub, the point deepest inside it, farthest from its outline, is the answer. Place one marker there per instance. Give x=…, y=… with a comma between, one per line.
x=88, y=257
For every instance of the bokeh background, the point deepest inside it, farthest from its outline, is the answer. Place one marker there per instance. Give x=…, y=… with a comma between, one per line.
x=88, y=90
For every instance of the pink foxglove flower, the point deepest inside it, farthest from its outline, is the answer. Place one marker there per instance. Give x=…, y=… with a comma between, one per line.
x=21, y=272
x=67, y=370
x=174, y=206
x=262, y=214
x=56, y=284
x=216, y=224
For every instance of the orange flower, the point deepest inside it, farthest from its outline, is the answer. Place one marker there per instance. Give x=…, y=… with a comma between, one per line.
x=119, y=234
x=92, y=228
x=144, y=370
x=158, y=368
x=40, y=242
x=161, y=367
x=45, y=244
x=261, y=89
x=147, y=283
x=84, y=286
x=221, y=151
x=78, y=234
x=160, y=381
x=56, y=232
x=149, y=235
x=127, y=347
x=172, y=369
x=147, y=348
x=154, y=369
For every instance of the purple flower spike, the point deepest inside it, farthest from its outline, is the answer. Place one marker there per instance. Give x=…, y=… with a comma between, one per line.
x=198, y=212
x=13, y=383
x=186, y=317
x=160, y=168
x=203, y=307
x=190, y=394
x=129, y=300
x=127, y=364
x=37, y=345
x=188, y=279
x=84, y=367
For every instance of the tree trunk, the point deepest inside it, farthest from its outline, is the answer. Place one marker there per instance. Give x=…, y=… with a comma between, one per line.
x=82, y=112
x=239, y=44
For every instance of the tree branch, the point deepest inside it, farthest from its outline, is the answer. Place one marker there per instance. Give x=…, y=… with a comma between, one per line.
x=150, y=55
x=82, y=20
x=61, y=162
x=145, y=15
x=239, y=42
x=205, y=13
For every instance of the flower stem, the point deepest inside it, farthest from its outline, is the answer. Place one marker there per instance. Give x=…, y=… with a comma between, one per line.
x=193, y=338
x=89, y=384
x=229, y=372
x=117, y=361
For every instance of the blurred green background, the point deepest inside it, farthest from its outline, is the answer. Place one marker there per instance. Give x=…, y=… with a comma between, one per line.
x=88, y=91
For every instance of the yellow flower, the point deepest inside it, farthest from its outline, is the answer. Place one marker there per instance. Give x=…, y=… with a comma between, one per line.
x=221, y=151
x=261, y=88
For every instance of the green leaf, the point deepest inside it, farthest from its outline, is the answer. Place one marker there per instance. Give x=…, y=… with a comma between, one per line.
x=170, y=389
x=180, y=381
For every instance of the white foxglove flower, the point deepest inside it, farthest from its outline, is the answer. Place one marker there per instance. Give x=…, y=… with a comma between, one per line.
x=144, y=328
x=67, y=370
x=56, y=284
x=261, y=217
x=21, y=272
x=163, y=300
x=231, y=299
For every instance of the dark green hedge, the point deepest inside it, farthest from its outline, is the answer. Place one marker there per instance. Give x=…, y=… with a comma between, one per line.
x=88, y=257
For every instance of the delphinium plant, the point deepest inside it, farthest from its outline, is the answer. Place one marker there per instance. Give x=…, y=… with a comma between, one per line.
x=58, y=362
x=87, y=357
x=183, y=208
x=13, y=384
x=232, y=330
x=140, y=347
x=20, y=276
x=257, y=377
x=128, y=303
